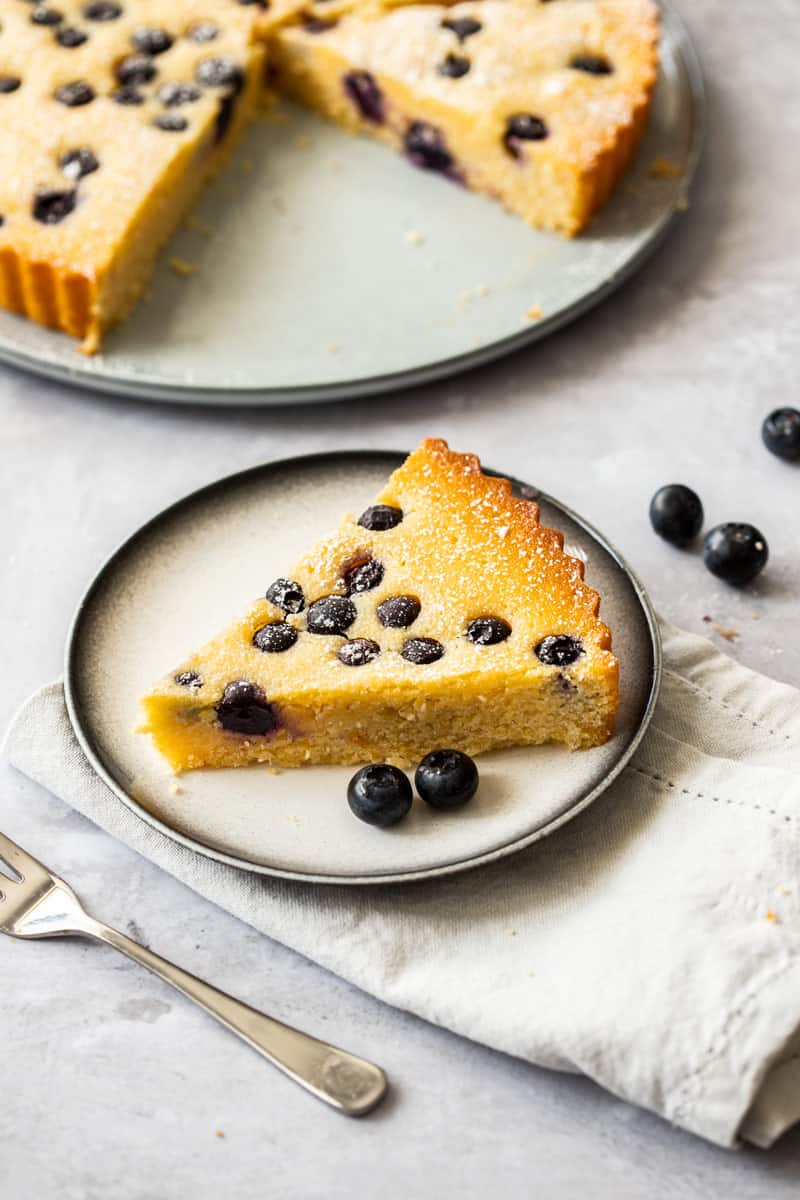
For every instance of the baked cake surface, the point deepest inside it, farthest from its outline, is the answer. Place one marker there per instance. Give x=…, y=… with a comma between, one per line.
x=112, y=118
x=115, y=113
x=538, y=104
x=445, y=616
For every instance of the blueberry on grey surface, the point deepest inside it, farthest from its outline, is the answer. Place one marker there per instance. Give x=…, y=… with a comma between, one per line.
x=781, y=433
x=559, y=650
x=523, y=127
x=75, y=94
x=593, y=64
x=245, y=709
x=363, y=90
x=446, y=779
x=488, y=631
x=454, y=66
x=189, y=679
x=102, y=10
x=9, y=84
x=151, y=40
x=362, y=576
x=136, y=68
x=676, y=514
x=172, y=95
x=52, y=206
x=426, y=147
x=380, y=517
x=735, y=552
x=219, y=72
x=79, y=162
x=462, y=27
x=331, y=615
x=358, y=652
x=128, y=95
x=275, y=638
x=171, y=122
x=380, y=795
x=203, y=31
x=70, y=37
x=287, y=595
x=398, y=612
x=422, y=651
x=42, y=15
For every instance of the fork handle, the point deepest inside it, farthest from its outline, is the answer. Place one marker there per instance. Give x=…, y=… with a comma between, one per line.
x=350, y=1084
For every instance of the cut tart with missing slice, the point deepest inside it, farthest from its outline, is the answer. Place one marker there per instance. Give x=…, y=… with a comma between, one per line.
x=113, y=117
x=445, y=615
x=540, y=105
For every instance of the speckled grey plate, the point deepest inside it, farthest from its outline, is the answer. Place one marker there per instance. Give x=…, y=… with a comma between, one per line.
x=334, y=270
x=189, y=570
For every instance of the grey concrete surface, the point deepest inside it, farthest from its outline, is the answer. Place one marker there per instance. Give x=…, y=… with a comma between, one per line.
x=113, y=1089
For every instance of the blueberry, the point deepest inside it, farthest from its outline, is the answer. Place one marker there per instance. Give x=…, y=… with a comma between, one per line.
x=77, y=163
x=488, y=631
x=380, y=517
x=379, y=794
x=50, y=206
x=331, y=615
x=189, y=679
x=70, y=37
x=42, y=15
x=136, y=68
x=559, y=650
x=127, y=95
x=454, y=66
x=174, y=94
x=422, y=650
x=398, y=612
x=275, y=637
x=735, y=553
x=2, y=220
x=319, y=24
x=593, y=64
x=286, y=594
x=363, y=90
x=676, y=514
x=523, y=127
x=362, y=576
x=358, y=652
x=245, y=709
x=203, y=31
x=781, y=433
x=426, y=147
x=149, y=40
x=219, y=72
x=75, y=94
x=171, y=122
x=462, y=27
x=102, y=10
x=8, y=84
x=446, y=779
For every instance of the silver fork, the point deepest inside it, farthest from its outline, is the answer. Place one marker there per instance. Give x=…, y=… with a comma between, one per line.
x=37, y=904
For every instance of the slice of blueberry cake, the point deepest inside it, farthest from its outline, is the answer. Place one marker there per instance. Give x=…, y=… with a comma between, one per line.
x=443, y=615
x=539, y=104
x=113, y=116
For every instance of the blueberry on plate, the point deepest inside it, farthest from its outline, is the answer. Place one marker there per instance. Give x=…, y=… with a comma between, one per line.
x=379, y=794
x=781, y=433
x=676, y=514
x=735, y=553
x=446, y=779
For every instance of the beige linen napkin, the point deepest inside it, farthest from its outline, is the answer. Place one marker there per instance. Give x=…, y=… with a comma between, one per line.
x=652, y=944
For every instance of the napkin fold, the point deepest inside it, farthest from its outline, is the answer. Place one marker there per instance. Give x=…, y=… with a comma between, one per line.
x=652, y=944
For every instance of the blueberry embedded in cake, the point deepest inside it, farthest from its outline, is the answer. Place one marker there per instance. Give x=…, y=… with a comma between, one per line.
x=443, y=615
x=112, y=119
x=540, y=105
